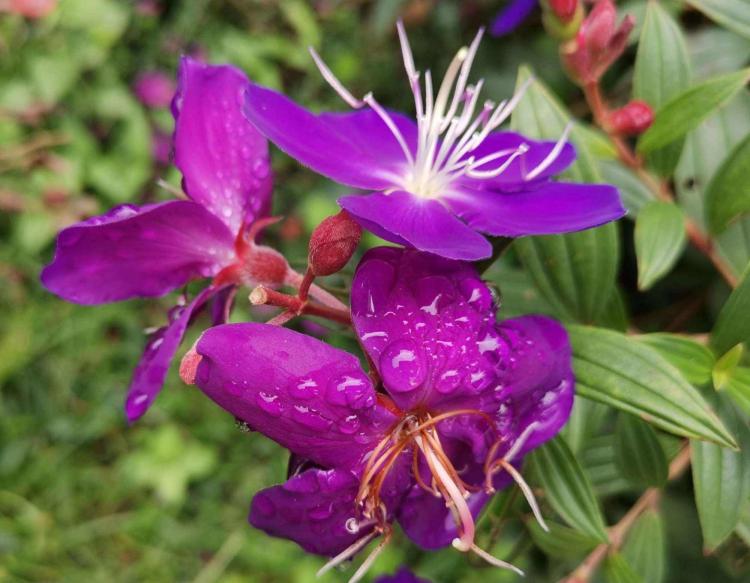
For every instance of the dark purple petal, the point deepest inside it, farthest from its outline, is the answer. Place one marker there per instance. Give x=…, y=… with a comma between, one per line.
x=137, y=252
x=554, y=207
x=310, y=397
x=536, y=382
x=426, y=520
x=514, y=176
x=428, y=325
x=423, y=223
x=223, y=159
x=355, y=149
x=512, y=16
x=149, y=375
x=312, y=509
x=403, y=575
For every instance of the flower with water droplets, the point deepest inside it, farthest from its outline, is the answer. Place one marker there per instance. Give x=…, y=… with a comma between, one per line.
x=438, y=183
x=445, y=417
x=150, y=250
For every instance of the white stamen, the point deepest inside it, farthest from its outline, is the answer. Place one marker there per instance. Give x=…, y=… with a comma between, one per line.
x=367, y=563
x=347, y=553
x=552, y=156
x=527, y=493
x=333, y=81
x=485, y=174
x=370, y=100
x=495, y=561
x=519, y=443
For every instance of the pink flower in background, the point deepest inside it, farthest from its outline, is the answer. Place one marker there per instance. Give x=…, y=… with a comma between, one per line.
x=154, y=89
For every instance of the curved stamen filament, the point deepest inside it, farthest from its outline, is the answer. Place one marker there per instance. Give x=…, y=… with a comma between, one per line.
x=552, y=156
x=347, y=553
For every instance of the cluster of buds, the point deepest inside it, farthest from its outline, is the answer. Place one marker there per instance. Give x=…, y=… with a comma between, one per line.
x=599, y=42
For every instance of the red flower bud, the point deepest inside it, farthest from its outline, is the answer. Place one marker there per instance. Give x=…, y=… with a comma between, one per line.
x=33, y=8
x=333, y=243
x=598, y=43
x=565, y=10
x=632, y=119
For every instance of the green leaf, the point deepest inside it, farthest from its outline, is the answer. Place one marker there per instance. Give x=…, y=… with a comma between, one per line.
x=662, y=71
x=659, y=241
x=721, y=478
x=728, y=195
x=737, y=387
x=617, y=570
x=645, y=548
x=567, y=488
x=620, y=371
x=695, y=361
x=561, y=541
x=598, y=460
x=574, y=273
x=634, y=194
x=639, y=455
x=725, y=366
x=732, y=14
x=686, y=111
x=585, y=420
x=733, y=324
x=714, y=51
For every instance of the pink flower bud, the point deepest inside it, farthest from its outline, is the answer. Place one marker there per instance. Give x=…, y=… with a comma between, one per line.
x=565, y=10
x=632, y=119
x=33, y=8
x=333, y=243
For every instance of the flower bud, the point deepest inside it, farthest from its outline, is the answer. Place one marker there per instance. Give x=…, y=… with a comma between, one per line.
x=333, y=243
x=632, y=119
x=562, y=18
x=32, y=8
x=565, y=10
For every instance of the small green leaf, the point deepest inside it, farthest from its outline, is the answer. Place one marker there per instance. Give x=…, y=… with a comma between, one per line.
x=662, y=71
x=721, y=478
x=659, y=241
x=567, y=488
x=686, y=111
x=725, y=366
x=695, y=361
x=639, y=455
x=645, y=548
x=733, y=324
x=617, y=570
x=561, y=541
x=728, y=195
x=738, y=388
x=574, y=273
x=633, y=377
x=732, y=14
x=634, y=194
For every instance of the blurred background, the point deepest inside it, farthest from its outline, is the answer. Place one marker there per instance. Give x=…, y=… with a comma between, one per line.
x=84, y=125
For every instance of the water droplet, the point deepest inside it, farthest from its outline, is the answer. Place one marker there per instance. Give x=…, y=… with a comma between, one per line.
x=321, y=512
x=402, y=366
x=269, y=403
x=261, y=168
x=349, y=425
x=448, y=381
x=350, y=390
x=309, y=418
x=305, y=389
x=352, y=526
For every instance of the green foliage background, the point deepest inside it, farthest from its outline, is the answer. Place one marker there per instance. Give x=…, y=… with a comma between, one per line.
x=84, y=497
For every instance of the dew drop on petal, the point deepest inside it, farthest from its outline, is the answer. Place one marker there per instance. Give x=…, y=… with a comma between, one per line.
x=402, y=366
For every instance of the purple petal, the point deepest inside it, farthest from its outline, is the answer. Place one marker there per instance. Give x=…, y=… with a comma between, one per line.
x=309, y=397
x=554, y=207
x=223, y=159
x=426, y=520
x=137, y=252
x=149, y=375
x=355, y=149
x=536, y=382
x=428, y=325
x=514, y=176
x=312, y=509
x=423, y=223
x=512, y=16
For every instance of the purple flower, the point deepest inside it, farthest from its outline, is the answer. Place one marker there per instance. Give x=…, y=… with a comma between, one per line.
x=453, y=403
x=512, y=16
x=437, y=183
x=154, y=89
x=403, y=575
x=148, y=251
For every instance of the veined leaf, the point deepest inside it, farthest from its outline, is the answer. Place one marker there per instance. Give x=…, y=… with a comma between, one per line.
x=733, y=324
x=659, y=241
x=633, y=377
x=686, y=111
x=728, y=195
x=561, y=541
x=639, y=455
x=634, y=194
x=598, y=460
x=575, y=273
x=725, y=366
x=567, y=488
x=737, y=387
x=617, y=570
x=662, y=71
x=721, y=478
x=695, y=361
x=732, y=14
x=645, y=548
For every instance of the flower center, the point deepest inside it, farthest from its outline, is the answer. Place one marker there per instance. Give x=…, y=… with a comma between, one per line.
x=450, y=125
